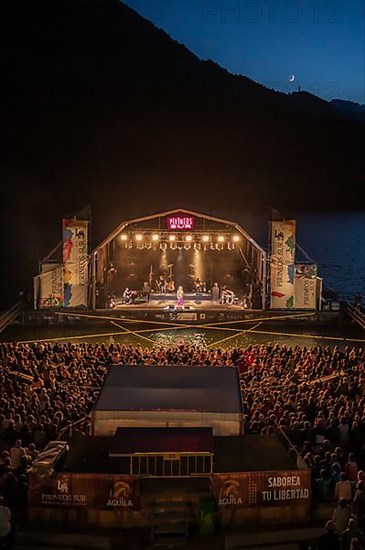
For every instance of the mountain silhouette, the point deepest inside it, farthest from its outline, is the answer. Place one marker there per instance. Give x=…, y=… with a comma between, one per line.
x=99, y=107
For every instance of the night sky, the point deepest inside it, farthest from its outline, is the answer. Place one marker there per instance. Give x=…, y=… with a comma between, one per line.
x=321, y=43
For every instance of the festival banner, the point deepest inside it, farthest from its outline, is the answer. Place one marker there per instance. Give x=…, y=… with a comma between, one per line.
x=94, y=491
x=50, y=286
x=305, y=286
x=282, y=264
x=75, y=262
x=252, y=489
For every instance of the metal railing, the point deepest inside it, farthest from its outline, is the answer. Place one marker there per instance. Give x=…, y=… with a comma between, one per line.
x=356, y=314
x=10, y=315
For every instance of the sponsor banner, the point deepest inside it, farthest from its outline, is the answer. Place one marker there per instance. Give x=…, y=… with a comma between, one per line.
x=305, y=286
x=75, y=262
x=50, y=289
x=282, y=264
x=250, y=489
x=96, y=491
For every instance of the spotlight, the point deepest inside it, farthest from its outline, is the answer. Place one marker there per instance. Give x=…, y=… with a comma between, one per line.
x=172, y=237
x=220, y=239
x=163, y=246
x=188, y=238
x=197, y=246
x=205, y=238
x=236, y=238
x=187, y=246
x=155, y=237
x=124, y=237
x=139, y=237
x=173, y=246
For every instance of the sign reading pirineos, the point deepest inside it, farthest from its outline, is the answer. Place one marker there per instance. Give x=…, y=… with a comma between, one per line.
x=305, y=286
x=50, y=286
x=75, y=262
x=94, y=491
x=180, y=222
x=282, y=264
x=240, y=490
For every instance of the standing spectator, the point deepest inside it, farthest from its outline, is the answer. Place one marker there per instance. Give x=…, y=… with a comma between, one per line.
x=330, y=540
x=351, y=468
x=352, y=532
x=343, y=488
x=16, y=454
x=341, y=515
x=359, y=504
x=6, y=534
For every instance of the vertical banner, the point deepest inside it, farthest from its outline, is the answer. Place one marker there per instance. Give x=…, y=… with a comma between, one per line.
x=75, y=262
x=282, y=264
x=50, y=286
x=305, y=286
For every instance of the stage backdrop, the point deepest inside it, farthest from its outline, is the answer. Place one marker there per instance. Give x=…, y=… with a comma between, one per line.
x=305, y=286
x=282, y=264
x=75, y=262
x=48, y=287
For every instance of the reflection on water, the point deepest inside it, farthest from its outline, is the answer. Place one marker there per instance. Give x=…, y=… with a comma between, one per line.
x=223, y=337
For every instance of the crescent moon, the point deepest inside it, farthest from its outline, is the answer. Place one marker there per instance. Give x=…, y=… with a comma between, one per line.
x=291, y=77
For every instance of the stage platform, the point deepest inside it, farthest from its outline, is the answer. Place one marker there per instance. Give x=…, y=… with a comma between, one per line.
x=192, y=313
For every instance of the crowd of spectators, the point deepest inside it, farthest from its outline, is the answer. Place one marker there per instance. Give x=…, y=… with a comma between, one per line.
x=315, y=395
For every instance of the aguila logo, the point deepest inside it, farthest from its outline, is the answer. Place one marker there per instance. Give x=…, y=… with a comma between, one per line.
x=120, y=494
x=229, y=493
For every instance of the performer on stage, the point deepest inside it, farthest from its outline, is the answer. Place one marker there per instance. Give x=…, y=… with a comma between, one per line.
x=162, y=284
x=180, y=296
x=215, y=293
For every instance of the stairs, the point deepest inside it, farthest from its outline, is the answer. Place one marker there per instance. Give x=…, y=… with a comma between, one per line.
x=170, y=524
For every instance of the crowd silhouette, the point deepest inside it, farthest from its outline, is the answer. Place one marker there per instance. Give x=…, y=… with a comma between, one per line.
x=315, y=395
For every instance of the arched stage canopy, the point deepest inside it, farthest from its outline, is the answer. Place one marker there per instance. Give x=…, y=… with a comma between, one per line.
x=184, y=242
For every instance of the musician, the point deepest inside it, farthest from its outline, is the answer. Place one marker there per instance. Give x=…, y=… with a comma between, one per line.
x=198, y=284
x=227, y=296
x=146, y=290
x=127, y=295
x=215, y=293
x=162, y=284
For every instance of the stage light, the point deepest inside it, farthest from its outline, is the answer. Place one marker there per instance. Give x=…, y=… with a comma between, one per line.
x=163, y=246
x=187, y=246
x=124, y=237
x=212, y=247
x=197, y=246
x=155, y=237
x=236, y=238
x=130, y=244
x=139, y=237
x=172, y=237
x=188, y=238
x=220, y=239
x=205, y=238
x=173, y=246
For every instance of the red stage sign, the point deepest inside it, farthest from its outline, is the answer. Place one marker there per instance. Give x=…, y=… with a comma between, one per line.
x=180, y=222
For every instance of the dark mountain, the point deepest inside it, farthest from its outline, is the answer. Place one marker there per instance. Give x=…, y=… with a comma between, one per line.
x=349, y=109
x=100, y=107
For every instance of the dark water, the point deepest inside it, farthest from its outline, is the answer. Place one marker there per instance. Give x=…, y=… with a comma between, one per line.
x=336, y=242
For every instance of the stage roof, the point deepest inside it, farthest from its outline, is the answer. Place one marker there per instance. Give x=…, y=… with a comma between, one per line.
x=128, y=441
x=178, y=211
x=175, y=388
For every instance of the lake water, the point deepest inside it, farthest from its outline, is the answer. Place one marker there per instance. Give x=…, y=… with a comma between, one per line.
x=336, y=242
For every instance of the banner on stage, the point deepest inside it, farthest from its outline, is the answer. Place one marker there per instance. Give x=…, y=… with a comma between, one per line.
x=75, y=262
x=50, y=286
x=305, y=286
x=282, y=264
